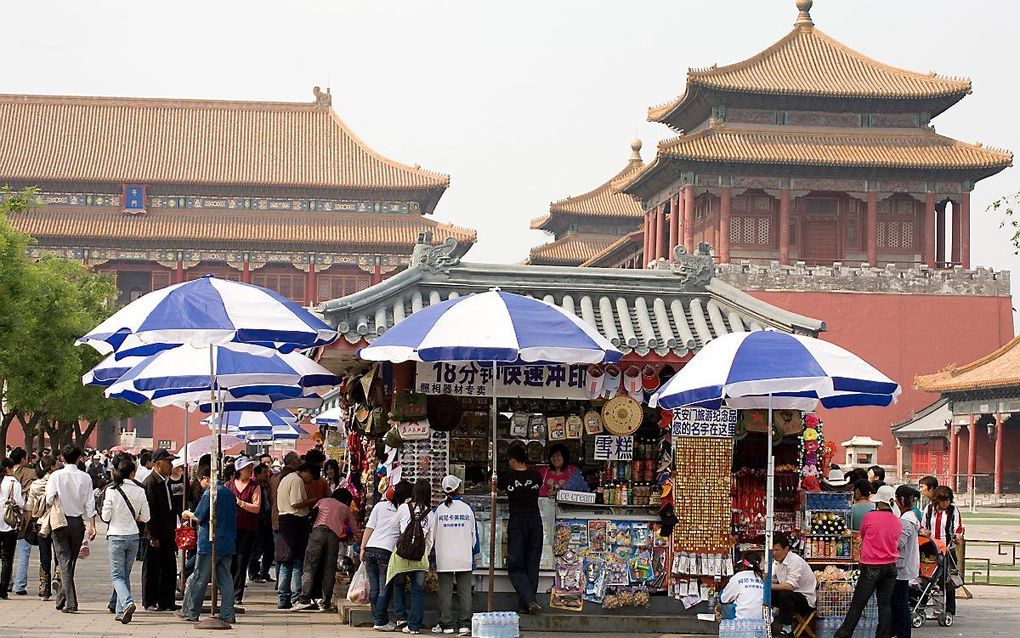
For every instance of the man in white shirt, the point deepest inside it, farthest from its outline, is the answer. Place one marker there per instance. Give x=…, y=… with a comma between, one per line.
x=793, y=588
x=144, y=466
x=73, y=488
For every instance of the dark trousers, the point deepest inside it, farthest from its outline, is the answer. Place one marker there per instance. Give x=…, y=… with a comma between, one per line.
x=45, y=569
x=789, y=602
x=67, y=543
x=901, y=609
x=262, y=555
x=523, y=554
x=320, y=558
x=950, y=599
x=159, y=574
x=447, y=619
x=874, y=579
x=245, y=545
x=8, y=541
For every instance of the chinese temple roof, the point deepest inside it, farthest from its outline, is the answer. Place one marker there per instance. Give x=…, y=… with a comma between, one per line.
x=903, y=148
x=571, y=250
x=931, y=421
x=1000, y=369
x=669, y=311
x=617, y=250
x=197, y=142
x=808, y=63
x=55, y=225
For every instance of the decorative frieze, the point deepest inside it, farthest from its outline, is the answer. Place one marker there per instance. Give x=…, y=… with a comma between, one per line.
x=822, y=184
x=895, y=120
x=816, y=118
x=105, y=200
x=752, y=116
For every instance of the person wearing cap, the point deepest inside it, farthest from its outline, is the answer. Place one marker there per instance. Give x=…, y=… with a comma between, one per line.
x=159, y=567
x=456, y=545
x=908, y=564
x=249, y=505
x=880, y=538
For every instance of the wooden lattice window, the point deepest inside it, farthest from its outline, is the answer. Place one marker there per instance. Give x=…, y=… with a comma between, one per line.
x=897, y=229
x=752, y=221
x=290, y=285
x=336, y=286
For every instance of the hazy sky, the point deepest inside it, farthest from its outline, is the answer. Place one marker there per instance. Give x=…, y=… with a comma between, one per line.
x=521, y=103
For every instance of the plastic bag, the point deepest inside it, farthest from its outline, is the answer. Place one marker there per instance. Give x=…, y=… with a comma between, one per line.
x=358, y=591
x=84, y=551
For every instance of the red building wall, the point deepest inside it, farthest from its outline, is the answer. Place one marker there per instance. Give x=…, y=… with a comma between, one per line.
x=902, y=335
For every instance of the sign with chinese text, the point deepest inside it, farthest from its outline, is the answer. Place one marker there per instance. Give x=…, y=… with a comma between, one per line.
x=526, y=381
x=614, y=448
x=413, y=430
x=704, y=422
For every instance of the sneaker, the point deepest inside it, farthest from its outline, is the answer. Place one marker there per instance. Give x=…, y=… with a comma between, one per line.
x=408, y=630
x=534, y=608
x=464, y=631
x=448, y=631
x=304, y=606
x=438, y=629
x=284, y=604
x=184, y=617
x=129, y=611
x=258, y=579
x=23, y=592
x=401, y=624
x=387, y=627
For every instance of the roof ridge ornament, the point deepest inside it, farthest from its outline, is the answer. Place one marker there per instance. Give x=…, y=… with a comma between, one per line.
x=804, y=17
x=695, y=270
x=322, y=100
x=437, y=259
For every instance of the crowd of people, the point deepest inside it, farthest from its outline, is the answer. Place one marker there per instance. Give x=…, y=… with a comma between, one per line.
x=890, y=522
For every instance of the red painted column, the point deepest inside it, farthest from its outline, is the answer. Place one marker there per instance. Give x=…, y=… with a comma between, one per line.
x=310, y=285
x=674, y=225
x=957, y=227
x=689, y=219
x=724, y=225
x=965, y=230
x=998, y=452
x=377, y=275
x=872, y=232
x=928, y=241
x=179, y=272
x=940, y=234
x=954, y=456
x=653, y=237
x=784, y=227
x=971, y=452
x=647, y=235
x=662, y=239
x=246, y=271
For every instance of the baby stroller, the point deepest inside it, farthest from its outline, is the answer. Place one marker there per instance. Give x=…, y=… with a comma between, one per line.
x=928, y=595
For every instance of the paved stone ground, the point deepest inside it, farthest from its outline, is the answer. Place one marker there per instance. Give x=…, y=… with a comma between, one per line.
x=994, y=612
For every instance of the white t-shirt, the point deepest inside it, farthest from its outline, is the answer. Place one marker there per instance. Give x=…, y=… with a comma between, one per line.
x=746, y=590
x=383, y=523
x=455, y=536
x=142, y=473
x=9, y=486
x=795, y=571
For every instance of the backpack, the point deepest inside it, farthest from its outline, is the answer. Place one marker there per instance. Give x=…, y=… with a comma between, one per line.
x=13, y=515
x=411, y=544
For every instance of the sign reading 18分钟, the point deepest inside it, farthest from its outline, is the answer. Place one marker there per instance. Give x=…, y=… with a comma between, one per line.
x=704, y=422
x=526, y=381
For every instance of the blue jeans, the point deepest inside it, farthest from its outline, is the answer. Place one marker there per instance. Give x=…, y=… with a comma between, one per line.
x=417, y=579
x=288, y=581
x=123, y=551
x=194, y=593
x=377, y=561
x=22, y=551
x=874, y=579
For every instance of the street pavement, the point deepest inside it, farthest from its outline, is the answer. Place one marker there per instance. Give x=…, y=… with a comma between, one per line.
x=994, y=611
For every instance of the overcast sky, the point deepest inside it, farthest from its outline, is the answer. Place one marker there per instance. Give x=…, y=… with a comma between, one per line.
x=521, y=103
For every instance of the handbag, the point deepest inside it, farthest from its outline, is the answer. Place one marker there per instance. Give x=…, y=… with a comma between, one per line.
x=186, y=538
x=409, y=406
x=14, y=517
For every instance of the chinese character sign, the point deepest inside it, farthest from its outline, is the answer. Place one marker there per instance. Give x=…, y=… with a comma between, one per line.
x=476, y=380
x=704, y=422
x=614, y=448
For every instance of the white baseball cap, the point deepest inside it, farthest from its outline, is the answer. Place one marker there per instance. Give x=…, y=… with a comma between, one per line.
x=885, y=494
x=451, y=484
x=242, y=462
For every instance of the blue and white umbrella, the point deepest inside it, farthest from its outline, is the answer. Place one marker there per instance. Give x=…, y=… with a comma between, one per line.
x=185, y=374
x=107, y=371
x=741, y=369
x=774, y=370
x=233, y=420
x=332, y=416
x=209, y=311
x=277, y=433
x=492, y=326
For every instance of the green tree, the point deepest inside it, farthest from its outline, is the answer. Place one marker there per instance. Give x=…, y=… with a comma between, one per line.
x=1009, y=206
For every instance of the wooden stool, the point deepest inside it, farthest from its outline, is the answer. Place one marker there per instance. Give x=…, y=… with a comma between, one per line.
x=802, y=626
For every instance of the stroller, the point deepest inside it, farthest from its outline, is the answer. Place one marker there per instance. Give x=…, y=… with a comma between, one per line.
x=928, y=595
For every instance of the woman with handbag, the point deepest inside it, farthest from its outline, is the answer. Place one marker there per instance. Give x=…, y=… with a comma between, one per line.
x=410, y=557
x=12, y=504
x=124, y=507
x=39, y=511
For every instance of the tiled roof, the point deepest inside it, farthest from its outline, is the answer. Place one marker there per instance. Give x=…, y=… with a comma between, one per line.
x=667, y=311
x=602, y=201
x=153, y=141
x=931, y=421
x=621, y=247
x=571, y=250
x=1000, y=369
x=918, y=148
x=807, y=62
x=54, y=224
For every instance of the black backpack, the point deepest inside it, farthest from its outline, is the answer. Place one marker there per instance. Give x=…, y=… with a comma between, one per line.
x=411, y=544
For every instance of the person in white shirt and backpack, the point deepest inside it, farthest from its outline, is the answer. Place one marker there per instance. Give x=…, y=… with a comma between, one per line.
x=456, y=545
x=12, y=505
x=124, y=507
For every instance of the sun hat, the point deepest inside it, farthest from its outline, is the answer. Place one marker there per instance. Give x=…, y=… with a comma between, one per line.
x=451, y=484
x=885, y=494
x=242, y=462
x=836, y=478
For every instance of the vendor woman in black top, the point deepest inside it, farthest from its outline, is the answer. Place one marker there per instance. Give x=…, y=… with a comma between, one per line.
x=524, y=532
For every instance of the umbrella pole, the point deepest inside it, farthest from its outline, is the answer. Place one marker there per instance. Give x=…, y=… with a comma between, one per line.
x=184, y=497
x=492, y=497
x=770, y=514
x=212, y=621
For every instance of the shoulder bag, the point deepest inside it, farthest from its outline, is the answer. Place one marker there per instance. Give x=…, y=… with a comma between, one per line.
x=14, y=517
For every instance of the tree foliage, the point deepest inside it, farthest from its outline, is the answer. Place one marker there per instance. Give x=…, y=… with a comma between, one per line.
x=47, y=305
x=1009, y=206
